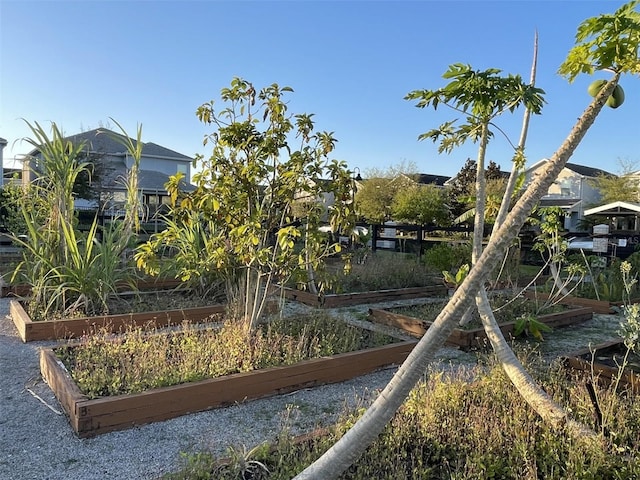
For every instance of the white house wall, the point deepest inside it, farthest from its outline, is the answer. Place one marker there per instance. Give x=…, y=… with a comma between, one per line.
x=574, y=188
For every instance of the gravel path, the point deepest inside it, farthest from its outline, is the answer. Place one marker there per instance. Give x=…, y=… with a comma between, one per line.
x=36, y=441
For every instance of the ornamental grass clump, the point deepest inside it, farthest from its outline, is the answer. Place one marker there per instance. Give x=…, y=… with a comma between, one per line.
x=106, y=365
x=70, y=273
x=471, y=423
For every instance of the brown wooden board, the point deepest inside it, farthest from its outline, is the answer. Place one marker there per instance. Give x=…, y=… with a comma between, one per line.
x=598, y=306
x=584, y=360
x=76, y=327
x=93, y=417
x=358, y=298
x=22, y=290
x=475, y=337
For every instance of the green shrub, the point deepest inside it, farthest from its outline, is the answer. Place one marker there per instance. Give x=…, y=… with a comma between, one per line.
x=449, y=257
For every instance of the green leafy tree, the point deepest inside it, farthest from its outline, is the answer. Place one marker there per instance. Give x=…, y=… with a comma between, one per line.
x=422, y=205
x=374, y=199
x=266, y=164
x=462, y=188
x=624, y=187
x=605, y=42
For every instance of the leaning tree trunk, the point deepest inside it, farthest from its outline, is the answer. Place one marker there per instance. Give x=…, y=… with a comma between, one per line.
x=351, y=446
x=535, y=396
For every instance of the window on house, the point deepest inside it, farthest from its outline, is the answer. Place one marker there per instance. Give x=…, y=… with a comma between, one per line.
x=181, y=168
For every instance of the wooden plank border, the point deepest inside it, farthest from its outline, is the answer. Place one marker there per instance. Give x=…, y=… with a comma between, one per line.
x=67, y=328
x=359, y=298
x=23, y=290
x=598, y=306
x=473, y=338
x=90, y=417
x=580, y=360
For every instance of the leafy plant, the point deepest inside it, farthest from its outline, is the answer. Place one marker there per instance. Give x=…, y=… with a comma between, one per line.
x=459, y=277
x=241, y=464
x=529, y=325
x=70, y=272
x=262, y=200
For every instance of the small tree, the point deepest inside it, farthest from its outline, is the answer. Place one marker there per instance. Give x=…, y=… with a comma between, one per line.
x=248, y=190
x=624, y=187
x=422, y=205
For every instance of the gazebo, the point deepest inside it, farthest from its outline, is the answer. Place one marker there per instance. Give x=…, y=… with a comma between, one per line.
x=626, y=213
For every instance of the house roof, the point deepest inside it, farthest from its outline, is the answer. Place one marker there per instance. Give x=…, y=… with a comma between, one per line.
x=427, y=178
x=619, y=209
x=102, y=140
x=574, y=167
x=587, y=171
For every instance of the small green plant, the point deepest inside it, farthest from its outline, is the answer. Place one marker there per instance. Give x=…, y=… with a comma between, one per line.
x=241, y=464
x=455, y=281
x=446, y=256
x=529, y=325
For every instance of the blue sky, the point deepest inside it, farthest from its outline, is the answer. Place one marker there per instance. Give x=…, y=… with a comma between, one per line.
x=351, y=63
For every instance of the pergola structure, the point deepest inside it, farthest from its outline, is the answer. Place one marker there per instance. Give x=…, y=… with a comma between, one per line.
x=627, y=211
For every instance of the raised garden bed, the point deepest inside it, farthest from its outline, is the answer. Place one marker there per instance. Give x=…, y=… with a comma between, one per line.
x=358, y=298
x=22, y=290
x=90, y=417
x=66, y=328
x=476, y=337
x=598, y=306
x=601, y=360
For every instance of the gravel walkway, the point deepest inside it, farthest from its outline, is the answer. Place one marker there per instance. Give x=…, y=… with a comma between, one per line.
x=36, y=441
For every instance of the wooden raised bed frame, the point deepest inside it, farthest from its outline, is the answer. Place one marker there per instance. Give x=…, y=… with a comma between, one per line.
x=598, y=306
x=30, y=331
x=580, y=360
x=476, y=337
x=22, y=290
x=346, y=299
x=93, y=417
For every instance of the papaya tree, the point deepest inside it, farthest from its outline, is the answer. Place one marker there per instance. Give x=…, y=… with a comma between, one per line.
x=486, y=97
x=262, y=195
x=607, y=42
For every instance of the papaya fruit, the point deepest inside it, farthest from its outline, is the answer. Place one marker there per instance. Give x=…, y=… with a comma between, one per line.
x=595, y=87
x=617, y=97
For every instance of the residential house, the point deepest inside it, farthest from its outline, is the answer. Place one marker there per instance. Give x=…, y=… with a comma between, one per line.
x=572, y=191
x=113, y=162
